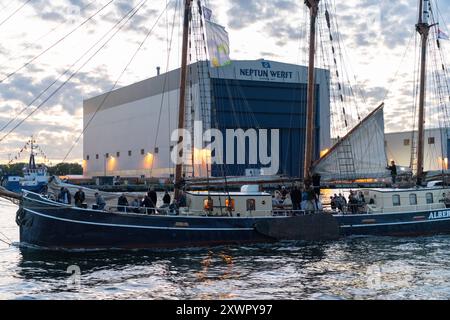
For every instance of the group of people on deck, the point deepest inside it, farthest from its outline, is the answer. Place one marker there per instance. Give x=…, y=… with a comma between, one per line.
x=299, y=198
x=148, y=203
x=356, y=202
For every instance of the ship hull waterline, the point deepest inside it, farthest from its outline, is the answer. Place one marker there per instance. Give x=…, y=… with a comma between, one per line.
x=53, y=226
x=50, y=225
x=401, y=224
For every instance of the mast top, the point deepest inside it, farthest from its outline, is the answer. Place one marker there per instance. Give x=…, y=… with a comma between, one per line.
x=424, y=12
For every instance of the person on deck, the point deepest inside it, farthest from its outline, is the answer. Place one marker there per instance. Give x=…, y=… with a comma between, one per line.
x=284, y=193
x=393, y=169
x=135, y=204
x=153, y=197
x=79, y=198
x=148, y=203
x=296, y=197
x=64, y=196
x=99, y=201
x=182, y=200
x=166, y=198
x=352, y=202
x=61, y=195
x=122, y=203
x=333, y=202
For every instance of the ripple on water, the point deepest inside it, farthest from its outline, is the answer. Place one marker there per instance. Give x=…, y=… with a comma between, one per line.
x=355, y=268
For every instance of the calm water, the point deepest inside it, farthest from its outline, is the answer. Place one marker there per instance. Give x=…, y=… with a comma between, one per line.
x=359, y=268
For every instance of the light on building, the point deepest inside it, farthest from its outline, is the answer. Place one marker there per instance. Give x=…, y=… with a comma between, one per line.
x=148, y=160
x=112, y=163
x=324, y=152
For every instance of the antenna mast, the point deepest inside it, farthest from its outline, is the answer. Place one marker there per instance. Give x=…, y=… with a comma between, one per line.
x=313, y=6
x=184, y=53
x=423, y=28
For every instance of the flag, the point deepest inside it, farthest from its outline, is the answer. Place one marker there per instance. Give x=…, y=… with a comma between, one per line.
x=207, y=13
x=218, y=44
x=442, y=35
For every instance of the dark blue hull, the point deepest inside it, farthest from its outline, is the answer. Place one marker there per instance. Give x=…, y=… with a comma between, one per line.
x=17, y=188
x=415, y=223
x=50, y=225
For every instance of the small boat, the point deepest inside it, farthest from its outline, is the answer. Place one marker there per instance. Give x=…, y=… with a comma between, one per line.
x=35, y=177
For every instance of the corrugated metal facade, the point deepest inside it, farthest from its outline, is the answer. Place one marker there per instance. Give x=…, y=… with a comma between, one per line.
x=268, y=105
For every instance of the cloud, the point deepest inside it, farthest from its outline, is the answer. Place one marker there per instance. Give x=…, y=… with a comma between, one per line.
x=243, y=13
x=374, y=32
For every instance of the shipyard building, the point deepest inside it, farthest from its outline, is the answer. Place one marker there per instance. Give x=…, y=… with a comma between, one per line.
x=129, y=130
x=436, y=148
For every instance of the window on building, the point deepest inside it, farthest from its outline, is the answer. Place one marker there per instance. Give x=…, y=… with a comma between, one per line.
x=117, y=154
x=431, y=140
x=429, y=197
x=396, y=200
x=171, y=148
x=129, y=153
x=87, y=157
x=413, y=199
x=156, y=150
x=96, y=156
x=142, y=151
x=107, y=155
x=406, y=142
x=385, y=143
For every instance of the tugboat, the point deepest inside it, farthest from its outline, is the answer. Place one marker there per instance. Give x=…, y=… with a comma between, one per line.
x=35, y=177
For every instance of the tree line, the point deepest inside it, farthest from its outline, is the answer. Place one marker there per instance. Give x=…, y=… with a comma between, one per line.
x=61, y=169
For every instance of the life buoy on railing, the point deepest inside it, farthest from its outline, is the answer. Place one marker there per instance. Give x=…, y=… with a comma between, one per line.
x=230, y=204
x=208, y=204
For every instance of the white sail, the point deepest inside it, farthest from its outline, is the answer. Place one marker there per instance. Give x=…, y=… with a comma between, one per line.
x=360, y=154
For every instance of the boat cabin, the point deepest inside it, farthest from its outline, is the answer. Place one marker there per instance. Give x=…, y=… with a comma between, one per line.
x=403, y=200
x=246, y=203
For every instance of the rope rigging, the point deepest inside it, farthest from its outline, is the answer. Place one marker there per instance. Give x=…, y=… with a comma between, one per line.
x=14, y=12
x=120, y=76
x=31, y=144
x=134, y=11
x=35, y=43
x=26, y=64
x=66, y=71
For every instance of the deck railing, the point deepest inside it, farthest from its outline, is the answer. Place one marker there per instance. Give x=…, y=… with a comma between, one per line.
x=166, y=211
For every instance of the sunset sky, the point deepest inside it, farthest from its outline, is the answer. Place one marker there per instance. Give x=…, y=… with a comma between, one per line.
x=377, y=43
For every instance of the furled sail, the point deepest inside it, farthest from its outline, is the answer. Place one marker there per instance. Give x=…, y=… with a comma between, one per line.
x=360, y=154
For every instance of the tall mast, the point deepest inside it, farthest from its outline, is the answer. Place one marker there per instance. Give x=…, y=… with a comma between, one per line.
x=32, y=162
x=423, y=29
x=313, y=6
x=181, y=111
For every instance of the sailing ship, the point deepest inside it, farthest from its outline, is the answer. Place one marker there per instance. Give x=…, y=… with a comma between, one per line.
x=216, y=218
x=203, y=218
x=398, y=212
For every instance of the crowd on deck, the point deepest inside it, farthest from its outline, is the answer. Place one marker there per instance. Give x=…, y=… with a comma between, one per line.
x=308, y=199
x=297, y=199
x=146, y=204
